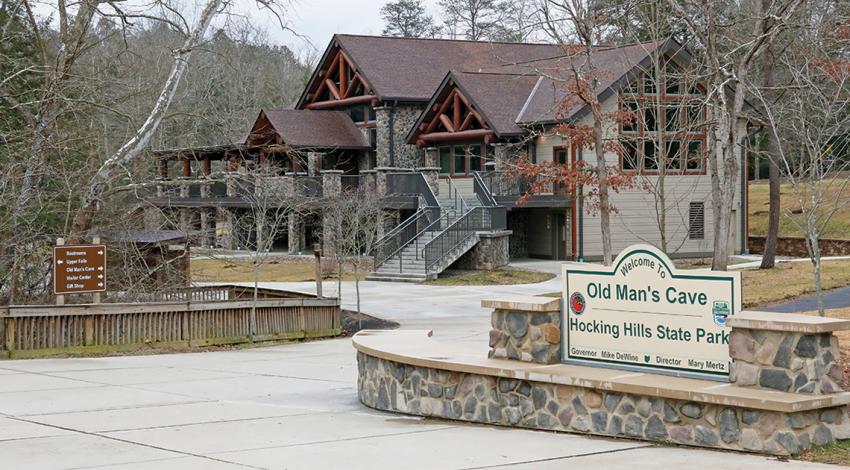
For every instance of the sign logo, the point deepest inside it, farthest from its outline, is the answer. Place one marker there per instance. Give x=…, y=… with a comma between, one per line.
x=720, y=310
x=577, y=303
x=642, y=313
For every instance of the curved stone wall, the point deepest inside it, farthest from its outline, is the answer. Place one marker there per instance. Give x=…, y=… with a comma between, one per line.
x=392, y=386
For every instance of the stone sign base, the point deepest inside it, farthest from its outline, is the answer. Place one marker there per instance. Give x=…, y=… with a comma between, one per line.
x=424, y=391
x=409, y=372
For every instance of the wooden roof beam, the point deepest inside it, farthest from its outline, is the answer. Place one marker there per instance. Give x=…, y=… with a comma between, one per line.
x=362, y=99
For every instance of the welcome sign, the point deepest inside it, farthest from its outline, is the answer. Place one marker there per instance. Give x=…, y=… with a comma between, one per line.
x=641, y=312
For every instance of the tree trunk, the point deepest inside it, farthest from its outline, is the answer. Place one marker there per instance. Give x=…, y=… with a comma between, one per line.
x=814, y=250
x=771, y=239
x=134, y=147
x=602, y=176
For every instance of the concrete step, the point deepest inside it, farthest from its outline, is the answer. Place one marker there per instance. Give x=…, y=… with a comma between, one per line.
x=405, y=277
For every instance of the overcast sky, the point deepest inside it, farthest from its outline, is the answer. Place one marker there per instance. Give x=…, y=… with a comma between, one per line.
x=318, y=20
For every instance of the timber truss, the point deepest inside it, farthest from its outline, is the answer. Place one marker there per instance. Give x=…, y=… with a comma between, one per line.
x=340, y=84
x=452, y=118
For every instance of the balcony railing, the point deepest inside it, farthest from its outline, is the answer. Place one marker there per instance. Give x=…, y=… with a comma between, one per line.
x=505, y=188
x=503, y=183
x=236, y=188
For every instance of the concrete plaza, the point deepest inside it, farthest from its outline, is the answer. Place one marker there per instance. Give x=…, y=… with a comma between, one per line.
x=289, y=407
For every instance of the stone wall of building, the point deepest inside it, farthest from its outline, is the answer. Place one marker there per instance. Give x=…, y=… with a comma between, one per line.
x=785, y=361
x=491, y=252
x=394, y=135
x=527, y=336
x=422, y=391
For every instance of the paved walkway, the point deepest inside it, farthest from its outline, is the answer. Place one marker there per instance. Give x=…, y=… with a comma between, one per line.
x=288, y=407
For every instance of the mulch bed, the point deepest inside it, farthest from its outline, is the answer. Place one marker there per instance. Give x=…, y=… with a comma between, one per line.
x=352, y=322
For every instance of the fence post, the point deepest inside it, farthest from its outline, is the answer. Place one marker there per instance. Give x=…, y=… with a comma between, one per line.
x=60, y=298
x=10, y=334
x=88, y=330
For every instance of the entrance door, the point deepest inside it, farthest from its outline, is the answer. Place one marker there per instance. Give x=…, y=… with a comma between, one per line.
x=562, y=237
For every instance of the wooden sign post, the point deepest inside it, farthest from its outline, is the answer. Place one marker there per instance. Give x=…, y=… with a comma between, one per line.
x=78, y=269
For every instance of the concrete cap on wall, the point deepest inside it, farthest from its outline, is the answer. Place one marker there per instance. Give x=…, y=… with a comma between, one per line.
x=524, y=303
x=790, y=322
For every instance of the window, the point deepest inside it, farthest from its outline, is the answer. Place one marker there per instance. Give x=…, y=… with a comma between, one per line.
x=649, y=119
x=474, y=158
x=672, y=118
x=445, y=160
x=561, y=155
x=696, y=221
x=630, y=155
x=633, y=125
x=460, y=161
x=696, y=112
x=668, y=125
x=673, y=155
x=650, y=159
x=694, y=156
x=357, y=114
x=671, y=79
x=371, y=113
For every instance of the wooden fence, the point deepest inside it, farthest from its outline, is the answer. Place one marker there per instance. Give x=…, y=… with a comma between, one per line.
x=215, y=319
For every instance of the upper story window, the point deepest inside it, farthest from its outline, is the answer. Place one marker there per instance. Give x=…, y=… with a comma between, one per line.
x=362, y=114
x=666, y=133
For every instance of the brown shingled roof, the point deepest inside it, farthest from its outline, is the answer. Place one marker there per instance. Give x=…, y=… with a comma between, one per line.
x=499, y=97
x=545, y=102
x=315, y=129
x=409, y=69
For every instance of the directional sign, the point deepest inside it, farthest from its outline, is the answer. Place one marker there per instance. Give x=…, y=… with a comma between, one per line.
x=79, y=269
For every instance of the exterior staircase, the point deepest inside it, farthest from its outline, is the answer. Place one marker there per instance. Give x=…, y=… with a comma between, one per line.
x=432, y=239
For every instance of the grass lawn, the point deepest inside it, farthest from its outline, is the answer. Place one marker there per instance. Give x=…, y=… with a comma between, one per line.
x=241, y=270
x=496, y=277
x=835, y=454
x=786, y=281
x=839, y=226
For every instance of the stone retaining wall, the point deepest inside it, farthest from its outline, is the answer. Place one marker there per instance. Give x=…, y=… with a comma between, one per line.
x=422, y=391
x=491, y=252
x=796, y=246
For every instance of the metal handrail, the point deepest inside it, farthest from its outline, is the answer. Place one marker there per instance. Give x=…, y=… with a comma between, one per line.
x=481, y=189
x=453, y=189
x=461, y=230
x=414, y=239
x=401, y=226
x=401, y=238
x=402, y=235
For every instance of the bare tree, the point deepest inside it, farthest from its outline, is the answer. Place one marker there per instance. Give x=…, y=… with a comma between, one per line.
x=354, y=216
x=271, y=200
x=730, y=38
x=576, y=26
x=811, y=126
